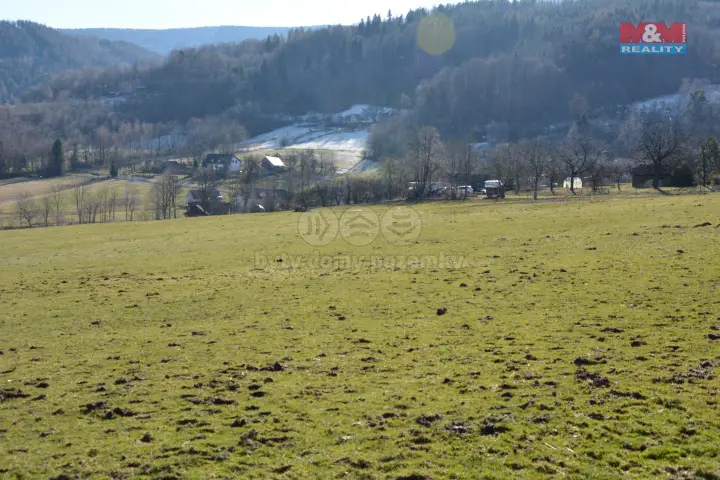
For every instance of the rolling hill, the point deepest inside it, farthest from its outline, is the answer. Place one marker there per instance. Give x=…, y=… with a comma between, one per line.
x=516, y=63
x=31, y=53
x=164, y=41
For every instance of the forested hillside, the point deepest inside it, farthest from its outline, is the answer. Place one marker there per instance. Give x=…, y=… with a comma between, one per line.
x=31, y=53
x=514, y=62
x=164, y=41
x=518, y=65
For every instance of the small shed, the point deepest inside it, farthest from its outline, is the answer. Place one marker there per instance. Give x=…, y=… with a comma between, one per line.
x=643, y=175
x=272, y=164
x=577, y=183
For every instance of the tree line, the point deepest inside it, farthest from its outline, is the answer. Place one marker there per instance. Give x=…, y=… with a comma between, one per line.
x=679, y=139
x=425, y=166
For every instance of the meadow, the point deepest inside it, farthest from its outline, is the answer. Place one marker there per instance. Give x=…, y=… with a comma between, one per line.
x=577, y=339
x=10, y=193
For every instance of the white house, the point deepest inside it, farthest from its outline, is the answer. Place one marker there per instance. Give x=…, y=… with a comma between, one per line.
x=223, y=161
x=577, y=183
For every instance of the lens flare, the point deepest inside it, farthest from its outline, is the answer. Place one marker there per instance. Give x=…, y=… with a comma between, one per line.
x=436, y=34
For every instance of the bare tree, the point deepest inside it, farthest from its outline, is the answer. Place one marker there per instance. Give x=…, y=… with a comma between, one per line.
x=112, y=203
x=468, y=166
x=578, y=154
x=130, y=202
x=93, y=204
x=103, y=197
x=336, y=194
x=173, y=192
x=242, y=184
x=553, y=168
x=618, y=169
x=599, y=171
x=507, y=164
x=26, y=208
x=660, y=144
x=164, y=196
x=327, y=165
x=709, y=157
x=498, y=162
x=700, y=115
x=304, y=198
x=458, y=166
x=79, y=196
x=207, y=186
x=235, y=190
x=535, y=157
x=58, y=199
x=425, y=154
x=392, y=175
x=46, y=209
x=249, y=177
x=373, y=113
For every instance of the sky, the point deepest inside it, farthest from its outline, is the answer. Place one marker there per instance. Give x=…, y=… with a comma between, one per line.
x=201, y=13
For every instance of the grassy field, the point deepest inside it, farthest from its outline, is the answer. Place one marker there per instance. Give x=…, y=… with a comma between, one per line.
x=575, y=340
x=10, y=193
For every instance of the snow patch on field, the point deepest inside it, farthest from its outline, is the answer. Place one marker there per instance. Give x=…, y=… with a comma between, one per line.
x=352, y=141
x=309, y=138
x=677, y=100
x=365, y=110
x=309, y=133
x=347, y=144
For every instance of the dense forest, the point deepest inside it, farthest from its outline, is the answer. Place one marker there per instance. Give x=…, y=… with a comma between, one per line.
x=514, y=61
x=30, y=54
x=519, y=64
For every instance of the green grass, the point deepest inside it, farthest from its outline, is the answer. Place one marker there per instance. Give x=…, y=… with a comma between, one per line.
x=531, y=373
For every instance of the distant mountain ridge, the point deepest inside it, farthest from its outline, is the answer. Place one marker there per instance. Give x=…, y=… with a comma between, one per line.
x=31, y=53
x=164, y=41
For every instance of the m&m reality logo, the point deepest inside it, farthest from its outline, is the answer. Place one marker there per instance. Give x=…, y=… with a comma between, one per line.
x=653, y=38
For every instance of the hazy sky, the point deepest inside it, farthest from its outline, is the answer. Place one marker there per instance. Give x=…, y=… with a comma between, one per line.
x=199, y=13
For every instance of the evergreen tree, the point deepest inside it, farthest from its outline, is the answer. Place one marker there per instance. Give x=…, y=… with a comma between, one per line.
x=74, y=158
x=57, y=160
x=113, y=169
